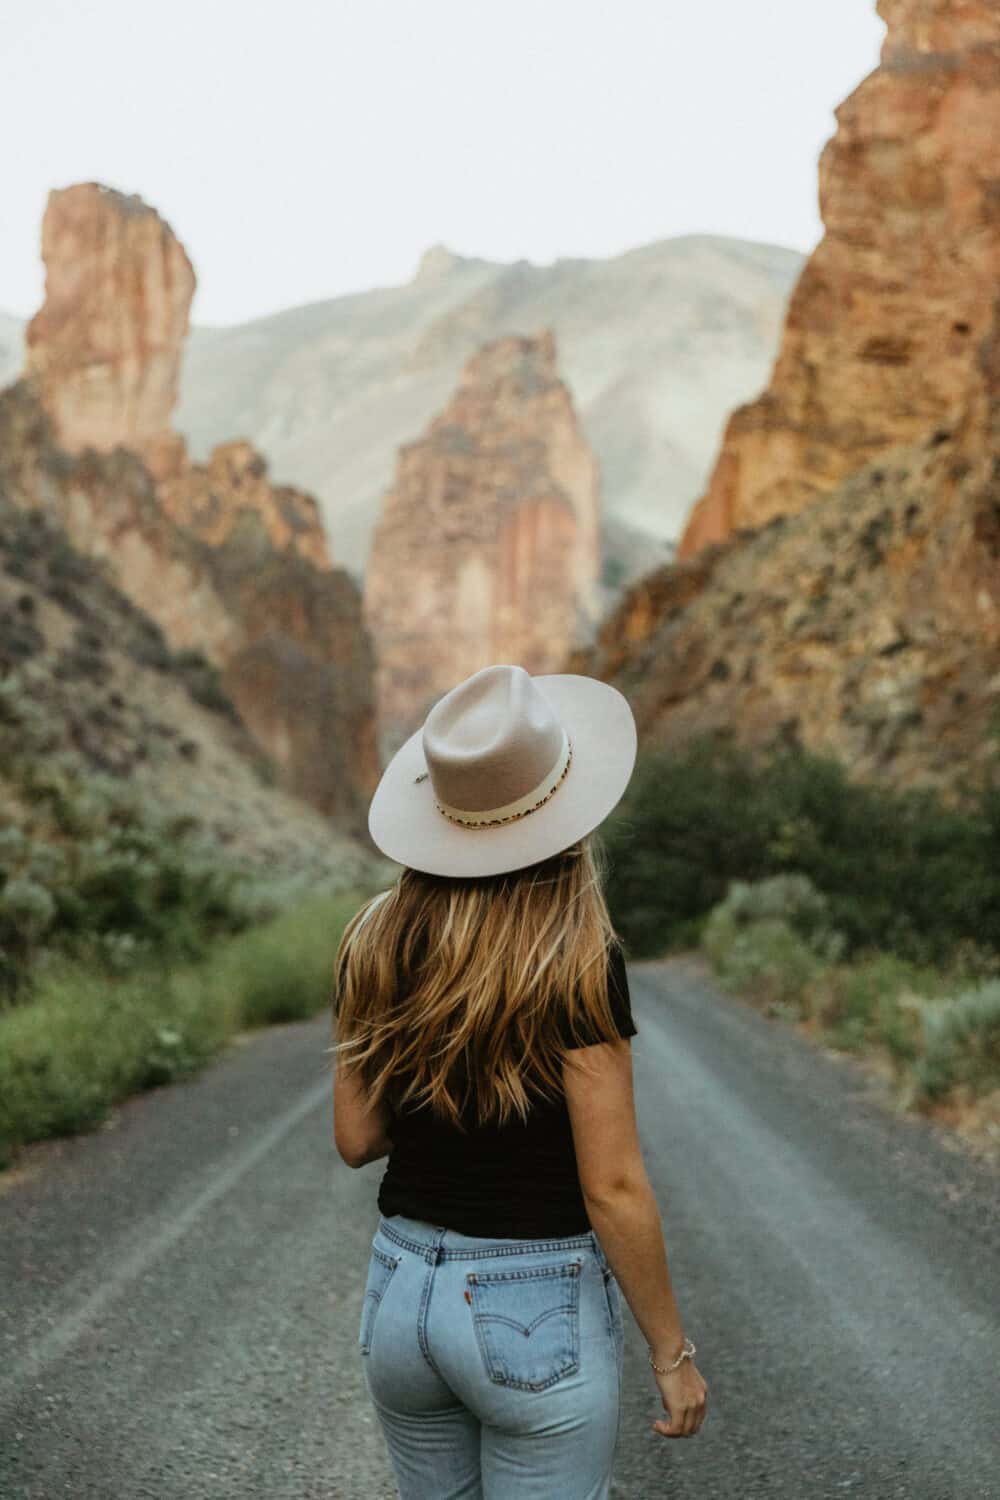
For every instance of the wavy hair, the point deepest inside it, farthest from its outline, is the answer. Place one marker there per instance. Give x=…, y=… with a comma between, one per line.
x=454, y=990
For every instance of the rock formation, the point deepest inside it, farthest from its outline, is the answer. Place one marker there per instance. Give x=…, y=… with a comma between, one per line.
x=863, y=619
x=488, y=547
x=286, y=635
x=232, y=495
x=225, y=561
x=657, y=346
x=866, y=626
x=105, y=348
x=88, y=683
x=882, y=331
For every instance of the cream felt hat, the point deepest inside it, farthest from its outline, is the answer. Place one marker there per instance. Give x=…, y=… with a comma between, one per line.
x=507, y=770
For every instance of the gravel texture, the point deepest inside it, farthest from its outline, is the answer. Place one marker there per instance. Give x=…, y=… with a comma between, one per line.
x=182, y=1288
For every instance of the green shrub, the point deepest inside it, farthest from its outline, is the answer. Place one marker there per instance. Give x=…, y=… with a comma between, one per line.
x=14, y=847
x=901, y=871
x=877, y=999
x=204, y=681
x=26, y=910
x=676, y=841
x=771, y=937
x=109, y=879
x=769, y=961
x=791, y=899
x=897, y=1020
x=84, y=1043
x=284, y=970
x=962, y=1043
x=18, y=710
x=86, y=1039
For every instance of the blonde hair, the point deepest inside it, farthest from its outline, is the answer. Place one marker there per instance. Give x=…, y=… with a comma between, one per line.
x=480, y=973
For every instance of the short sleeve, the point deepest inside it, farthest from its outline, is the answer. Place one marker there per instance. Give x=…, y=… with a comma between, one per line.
x=619, y=1000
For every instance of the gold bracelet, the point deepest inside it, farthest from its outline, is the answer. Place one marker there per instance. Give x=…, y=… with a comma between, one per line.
x=686, y=1353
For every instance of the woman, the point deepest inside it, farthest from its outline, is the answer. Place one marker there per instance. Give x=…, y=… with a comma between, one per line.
x=484, y=1019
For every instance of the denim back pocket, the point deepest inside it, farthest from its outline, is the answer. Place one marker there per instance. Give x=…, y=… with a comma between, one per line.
x=380, y=1269
x=527, y=1323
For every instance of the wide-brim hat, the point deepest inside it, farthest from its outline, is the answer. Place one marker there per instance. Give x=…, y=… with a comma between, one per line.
x=507, y=770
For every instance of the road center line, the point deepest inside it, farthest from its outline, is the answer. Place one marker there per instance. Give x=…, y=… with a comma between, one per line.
x=176, y=1218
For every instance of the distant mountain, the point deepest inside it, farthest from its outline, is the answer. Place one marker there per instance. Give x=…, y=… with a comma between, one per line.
x=657, y=346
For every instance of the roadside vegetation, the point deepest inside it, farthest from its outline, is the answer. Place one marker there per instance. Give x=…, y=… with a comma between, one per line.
x=133, y=946
x=869, y=915
x=90, y=1036
x=132, y=949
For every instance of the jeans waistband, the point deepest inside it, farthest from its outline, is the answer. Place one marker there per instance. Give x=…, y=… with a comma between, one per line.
x=436, y=1243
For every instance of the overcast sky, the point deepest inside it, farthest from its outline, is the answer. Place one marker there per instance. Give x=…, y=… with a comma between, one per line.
x=305, y=148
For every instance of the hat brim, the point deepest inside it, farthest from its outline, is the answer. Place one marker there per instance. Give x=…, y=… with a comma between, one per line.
x=405, y=824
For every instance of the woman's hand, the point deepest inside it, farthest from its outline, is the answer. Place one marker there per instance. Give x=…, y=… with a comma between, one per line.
x=684, y=1400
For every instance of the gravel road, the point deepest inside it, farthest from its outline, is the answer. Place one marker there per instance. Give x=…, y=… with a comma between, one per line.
x=181, y=1289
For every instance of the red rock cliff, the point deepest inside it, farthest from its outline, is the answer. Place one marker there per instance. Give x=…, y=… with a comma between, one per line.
x=866, y=627
x=223, y=559
x=233, y=495
x=882, y=329
x=864, y=623
x=488, y=547
x=105, y=349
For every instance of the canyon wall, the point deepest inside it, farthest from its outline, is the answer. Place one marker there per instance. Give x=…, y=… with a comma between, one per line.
x=883, y=327
x=287, y=636
x=488, y=546
x=224, y=560
x=232, y=496
x=826, y=597
x=866, y=626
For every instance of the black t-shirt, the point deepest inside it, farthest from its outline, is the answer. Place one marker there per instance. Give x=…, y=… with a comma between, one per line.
x=513, y=1181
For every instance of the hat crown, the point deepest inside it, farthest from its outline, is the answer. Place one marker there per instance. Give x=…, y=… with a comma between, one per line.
x=491, y=741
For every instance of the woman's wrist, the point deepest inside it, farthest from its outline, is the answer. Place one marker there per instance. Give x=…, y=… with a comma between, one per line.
x=686, y=1352
x=667, y=1349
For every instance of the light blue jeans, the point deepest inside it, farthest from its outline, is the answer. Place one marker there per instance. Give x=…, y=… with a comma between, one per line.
x=494, y=1365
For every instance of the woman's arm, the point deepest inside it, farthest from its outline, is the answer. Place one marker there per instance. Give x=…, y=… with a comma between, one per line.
x=376, y=1151
x=624, y=1214
x=620, y=1202
x=360, y=1129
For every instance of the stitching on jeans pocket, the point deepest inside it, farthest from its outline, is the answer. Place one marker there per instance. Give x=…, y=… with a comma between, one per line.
x=527, y=1323
x=612, y=1292
x=380, y=1269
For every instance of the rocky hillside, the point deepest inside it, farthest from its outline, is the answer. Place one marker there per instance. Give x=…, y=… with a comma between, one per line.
x=224, y=560
x=656, y=347
x=881, y=344
x=89, y=687
x=863, y=621
x=866, y=627
x=488, y=545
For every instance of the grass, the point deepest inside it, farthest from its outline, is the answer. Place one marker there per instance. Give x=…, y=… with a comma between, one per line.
x=937, y=1026
x=869, y=913
x=87, y=1040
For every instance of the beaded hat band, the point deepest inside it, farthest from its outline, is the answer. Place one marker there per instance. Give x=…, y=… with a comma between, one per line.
x=520, y=808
